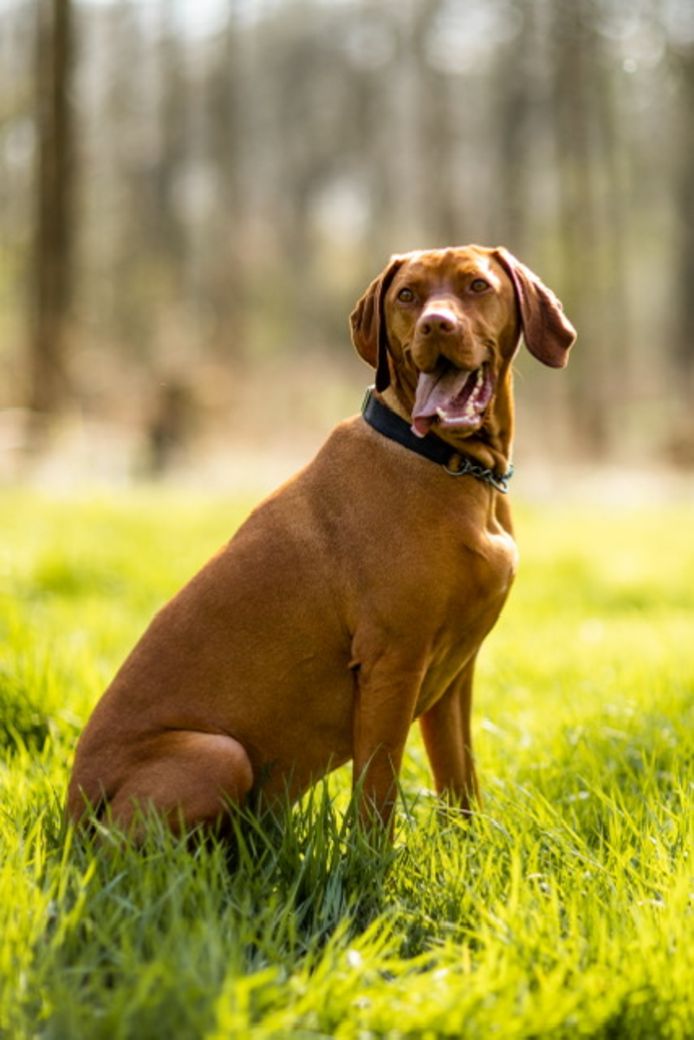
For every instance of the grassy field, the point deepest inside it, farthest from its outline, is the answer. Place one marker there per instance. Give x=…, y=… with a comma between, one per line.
x=565, y=909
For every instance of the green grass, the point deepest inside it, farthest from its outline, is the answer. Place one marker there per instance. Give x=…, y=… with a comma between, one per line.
x=565, y=909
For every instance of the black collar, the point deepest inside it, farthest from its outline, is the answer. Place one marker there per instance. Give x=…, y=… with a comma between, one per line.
x=430, y=446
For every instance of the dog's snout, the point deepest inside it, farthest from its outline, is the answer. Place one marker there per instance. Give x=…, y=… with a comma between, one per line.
x=439, y=322
x=439, y=332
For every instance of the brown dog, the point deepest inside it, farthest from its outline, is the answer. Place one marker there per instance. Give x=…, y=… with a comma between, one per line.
x=354, y=599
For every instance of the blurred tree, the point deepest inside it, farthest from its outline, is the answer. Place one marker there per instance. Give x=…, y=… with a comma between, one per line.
x=435, y=135
x=169, y=170
x=222, y=265
x=54, y=182
x=590, y=276
x=129, y=198
x=516, y=97
x=684, y=232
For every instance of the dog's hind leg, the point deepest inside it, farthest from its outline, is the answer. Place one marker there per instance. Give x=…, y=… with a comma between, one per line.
x=188, y=778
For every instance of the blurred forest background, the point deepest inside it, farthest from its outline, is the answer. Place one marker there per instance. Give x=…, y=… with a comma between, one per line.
x=193, y=194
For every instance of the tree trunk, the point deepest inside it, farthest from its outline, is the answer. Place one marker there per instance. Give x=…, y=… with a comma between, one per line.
x=684, y=352
x=575, y=112
x=53, y=240
x=514, y=115
x=435, y=138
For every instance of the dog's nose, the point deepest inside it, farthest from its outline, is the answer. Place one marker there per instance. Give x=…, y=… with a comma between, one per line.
x=439, y=322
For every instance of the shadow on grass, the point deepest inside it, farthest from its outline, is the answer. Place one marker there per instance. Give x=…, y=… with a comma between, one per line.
x=276, y=887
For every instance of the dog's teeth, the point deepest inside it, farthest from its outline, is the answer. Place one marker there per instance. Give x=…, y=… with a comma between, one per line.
x=480, y=378
x=442, y=413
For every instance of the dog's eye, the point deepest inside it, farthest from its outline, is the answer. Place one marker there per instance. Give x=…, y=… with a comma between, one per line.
x=479, y=285
x=406, y=295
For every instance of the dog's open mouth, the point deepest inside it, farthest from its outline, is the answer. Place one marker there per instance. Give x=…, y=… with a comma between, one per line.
x=451, y=397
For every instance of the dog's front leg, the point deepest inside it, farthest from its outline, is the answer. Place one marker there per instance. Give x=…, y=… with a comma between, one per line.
x=448, y=741
x=386, y=693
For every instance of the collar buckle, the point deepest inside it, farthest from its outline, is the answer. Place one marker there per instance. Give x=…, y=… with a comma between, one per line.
x=473, y=469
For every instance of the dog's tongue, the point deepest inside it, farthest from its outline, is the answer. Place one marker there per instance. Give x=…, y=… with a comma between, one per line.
x=422, y=425
x=435, y=390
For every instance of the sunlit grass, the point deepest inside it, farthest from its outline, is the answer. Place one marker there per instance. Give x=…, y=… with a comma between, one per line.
x=565, y=909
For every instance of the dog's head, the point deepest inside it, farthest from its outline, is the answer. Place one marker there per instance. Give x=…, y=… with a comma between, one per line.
x=443, y=325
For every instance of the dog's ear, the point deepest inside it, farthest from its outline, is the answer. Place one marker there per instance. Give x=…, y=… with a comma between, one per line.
x=368, y=323
x=547, y=332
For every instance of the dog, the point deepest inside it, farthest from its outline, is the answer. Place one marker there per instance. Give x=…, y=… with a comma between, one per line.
x=355, y=598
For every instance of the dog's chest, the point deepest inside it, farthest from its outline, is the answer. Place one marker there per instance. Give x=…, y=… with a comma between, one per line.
x=475, y=568
x=471, y=600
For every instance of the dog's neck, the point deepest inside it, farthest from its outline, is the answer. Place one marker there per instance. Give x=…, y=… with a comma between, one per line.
x=491, y=445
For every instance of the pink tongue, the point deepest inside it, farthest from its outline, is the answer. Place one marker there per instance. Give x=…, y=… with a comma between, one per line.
x=422, y=426
x=435, y=390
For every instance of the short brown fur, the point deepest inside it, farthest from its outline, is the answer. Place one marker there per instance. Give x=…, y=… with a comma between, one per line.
x=351, y=602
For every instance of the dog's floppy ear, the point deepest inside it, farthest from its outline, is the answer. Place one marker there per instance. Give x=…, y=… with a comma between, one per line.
x=547, y=332
x=368, y=323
